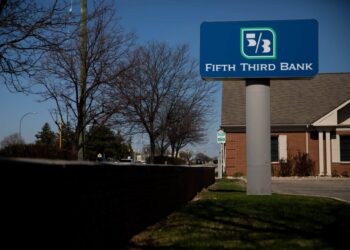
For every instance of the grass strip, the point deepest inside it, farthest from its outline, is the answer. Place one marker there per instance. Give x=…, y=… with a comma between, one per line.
x=224, y=217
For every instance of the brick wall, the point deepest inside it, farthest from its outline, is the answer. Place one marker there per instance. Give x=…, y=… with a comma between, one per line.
x=235, y=154
x=67, y=205
x=341, y=169
x=236, y=150
x=313, y=151
x=296, y=142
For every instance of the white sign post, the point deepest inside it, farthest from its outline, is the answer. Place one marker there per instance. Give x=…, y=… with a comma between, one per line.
x=221, y=139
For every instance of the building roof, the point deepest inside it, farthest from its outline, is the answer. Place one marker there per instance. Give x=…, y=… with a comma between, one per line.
x=293, y=102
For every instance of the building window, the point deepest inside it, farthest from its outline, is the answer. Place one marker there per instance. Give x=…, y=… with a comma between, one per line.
x=274, y=148
x=344, y=148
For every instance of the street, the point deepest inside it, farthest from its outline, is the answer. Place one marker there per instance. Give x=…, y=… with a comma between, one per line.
x=326, y=187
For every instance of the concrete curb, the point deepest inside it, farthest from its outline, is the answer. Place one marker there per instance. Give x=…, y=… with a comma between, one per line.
x=296, y=178
x=313, y=195
x=316, y=178
x=313, y=178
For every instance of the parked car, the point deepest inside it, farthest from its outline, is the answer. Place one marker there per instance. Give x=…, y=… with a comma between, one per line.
x=125, y=161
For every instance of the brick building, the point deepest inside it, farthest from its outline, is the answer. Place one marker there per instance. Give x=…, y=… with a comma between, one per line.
x=307, y=115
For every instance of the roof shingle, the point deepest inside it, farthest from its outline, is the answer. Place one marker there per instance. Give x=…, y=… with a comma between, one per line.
x=293, y=102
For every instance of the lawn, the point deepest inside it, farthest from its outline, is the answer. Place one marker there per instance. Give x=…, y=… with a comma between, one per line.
x=224, y=217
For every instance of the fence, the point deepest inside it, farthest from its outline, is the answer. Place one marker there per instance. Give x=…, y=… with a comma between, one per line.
x=82, y=205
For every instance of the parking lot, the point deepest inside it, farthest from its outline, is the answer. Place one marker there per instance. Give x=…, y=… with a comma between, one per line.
x=338, y=188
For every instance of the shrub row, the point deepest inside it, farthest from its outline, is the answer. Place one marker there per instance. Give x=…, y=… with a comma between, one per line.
x=37, y=151
x=168, y=160
x=298, y=165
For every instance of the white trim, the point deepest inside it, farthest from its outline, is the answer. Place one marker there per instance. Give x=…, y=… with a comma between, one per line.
x=328, y=153
x=336, y=149
x=320, y=153
x=282, y=147
x=307, y=141
x=342, y=129
x=329, y=117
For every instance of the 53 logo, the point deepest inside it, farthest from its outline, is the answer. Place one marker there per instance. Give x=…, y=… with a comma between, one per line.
x=258, y=43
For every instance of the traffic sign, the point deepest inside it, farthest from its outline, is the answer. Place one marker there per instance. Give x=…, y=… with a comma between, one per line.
x=259, y=49
x=221, y=136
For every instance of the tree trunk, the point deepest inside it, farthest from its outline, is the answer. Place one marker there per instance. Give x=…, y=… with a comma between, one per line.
x=153, y=149
x=172, y=151
x=177, y=150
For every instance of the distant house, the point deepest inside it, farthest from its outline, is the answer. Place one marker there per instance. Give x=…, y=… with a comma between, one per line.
x=311, y=116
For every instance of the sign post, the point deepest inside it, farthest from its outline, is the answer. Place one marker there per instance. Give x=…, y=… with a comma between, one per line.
x=259, y=51
x=221, y=139
x=258, y=136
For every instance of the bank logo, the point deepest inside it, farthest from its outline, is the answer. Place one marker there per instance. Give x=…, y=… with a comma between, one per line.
x=258, y=43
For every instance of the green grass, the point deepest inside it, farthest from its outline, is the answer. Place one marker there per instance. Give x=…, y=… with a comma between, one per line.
x=224, y=217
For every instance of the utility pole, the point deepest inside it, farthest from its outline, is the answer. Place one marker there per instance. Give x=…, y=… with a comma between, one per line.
x=83, y=78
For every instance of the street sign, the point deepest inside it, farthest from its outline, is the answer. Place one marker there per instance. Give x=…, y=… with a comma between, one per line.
x=221, y=136
x=259, y=49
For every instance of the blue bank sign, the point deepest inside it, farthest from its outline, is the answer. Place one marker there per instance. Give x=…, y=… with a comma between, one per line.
x=259, y=49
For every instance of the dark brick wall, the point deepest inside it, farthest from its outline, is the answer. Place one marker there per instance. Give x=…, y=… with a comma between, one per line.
x=235, y=154
x=70, y=205
x=236, y=150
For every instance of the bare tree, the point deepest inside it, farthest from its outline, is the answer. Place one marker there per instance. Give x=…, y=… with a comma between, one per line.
x=27, y=30
x=186, y=126
x=106, y=59
x=186, y=115
x=13, y=139
x=161, y=77
x=162, y=142
x=203, y=157
x=184, y=122
x=186, y=155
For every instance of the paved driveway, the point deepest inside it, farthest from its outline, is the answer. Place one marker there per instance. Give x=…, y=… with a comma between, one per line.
x=328, y=187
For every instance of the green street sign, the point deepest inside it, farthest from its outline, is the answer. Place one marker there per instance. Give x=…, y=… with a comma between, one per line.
x=221, y=136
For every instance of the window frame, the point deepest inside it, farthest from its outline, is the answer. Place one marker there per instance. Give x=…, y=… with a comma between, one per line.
x=276, y=153
x=341, y=149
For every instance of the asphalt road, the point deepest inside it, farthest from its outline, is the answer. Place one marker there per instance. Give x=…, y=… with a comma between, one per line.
x=338, y=188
